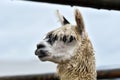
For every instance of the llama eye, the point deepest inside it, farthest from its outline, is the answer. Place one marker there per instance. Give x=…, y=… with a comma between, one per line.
x=50, y=41
x=53, y=39
x=71, y=39
x=49, y=36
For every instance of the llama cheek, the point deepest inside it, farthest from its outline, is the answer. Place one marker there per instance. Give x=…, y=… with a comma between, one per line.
x=60, y=49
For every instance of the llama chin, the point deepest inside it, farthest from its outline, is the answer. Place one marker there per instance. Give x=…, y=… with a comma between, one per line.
x=70, y=47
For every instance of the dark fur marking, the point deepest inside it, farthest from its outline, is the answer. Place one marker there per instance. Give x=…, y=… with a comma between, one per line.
x=56, y=37
x=71, y=39
x=52, y=38
x=64, y=38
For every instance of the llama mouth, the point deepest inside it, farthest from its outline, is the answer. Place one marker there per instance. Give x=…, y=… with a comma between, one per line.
x=42, y=54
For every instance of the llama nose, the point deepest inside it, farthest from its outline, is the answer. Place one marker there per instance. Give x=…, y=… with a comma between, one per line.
x=39, y=46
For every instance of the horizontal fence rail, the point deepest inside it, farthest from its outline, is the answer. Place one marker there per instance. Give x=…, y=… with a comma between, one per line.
x=99, y=4
x=108, y=74
x=101, y=74
x=49, y=76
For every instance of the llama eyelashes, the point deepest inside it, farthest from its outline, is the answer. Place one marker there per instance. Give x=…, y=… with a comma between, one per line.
x=66, y=39
x=51, y=38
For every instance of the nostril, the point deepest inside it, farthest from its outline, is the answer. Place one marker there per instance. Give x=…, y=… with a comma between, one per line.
x=40, y=46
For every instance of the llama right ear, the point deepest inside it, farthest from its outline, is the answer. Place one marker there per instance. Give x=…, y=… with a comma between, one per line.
x=79, y=22
x=62, y=19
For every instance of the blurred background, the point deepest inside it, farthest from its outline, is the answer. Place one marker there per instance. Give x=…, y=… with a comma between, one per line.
x=23, y=24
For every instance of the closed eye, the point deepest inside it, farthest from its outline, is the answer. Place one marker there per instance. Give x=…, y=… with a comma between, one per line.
x=51, y=39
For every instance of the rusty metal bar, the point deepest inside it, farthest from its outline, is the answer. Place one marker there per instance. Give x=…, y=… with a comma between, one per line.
x=108, y=74
x=49, y=76
x=101, y=74
x=99, y=4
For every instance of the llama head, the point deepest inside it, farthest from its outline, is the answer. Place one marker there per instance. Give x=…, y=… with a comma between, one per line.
x=60, y=45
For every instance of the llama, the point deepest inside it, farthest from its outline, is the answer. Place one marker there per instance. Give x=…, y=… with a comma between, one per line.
x=69, y=47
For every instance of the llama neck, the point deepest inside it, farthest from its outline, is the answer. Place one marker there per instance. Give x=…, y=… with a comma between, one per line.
x=81, y=66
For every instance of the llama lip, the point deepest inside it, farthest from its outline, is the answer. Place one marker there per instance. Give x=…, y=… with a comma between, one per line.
x=42, y=53
x=41, y=56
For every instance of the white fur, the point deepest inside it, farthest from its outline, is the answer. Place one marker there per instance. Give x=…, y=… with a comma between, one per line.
x=59, y=51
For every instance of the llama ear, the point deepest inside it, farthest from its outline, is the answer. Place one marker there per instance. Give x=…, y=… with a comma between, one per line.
x=79, y=22
x=62, y=19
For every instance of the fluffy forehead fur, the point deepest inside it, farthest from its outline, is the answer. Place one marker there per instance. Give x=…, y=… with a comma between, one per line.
x=67, y=31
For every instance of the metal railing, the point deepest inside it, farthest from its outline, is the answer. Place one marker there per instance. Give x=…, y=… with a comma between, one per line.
x=101, y=74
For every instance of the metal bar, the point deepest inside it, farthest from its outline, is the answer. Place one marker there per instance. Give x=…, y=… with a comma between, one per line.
x=99, y=4
x=101, y=74
x=108, y=74
x=49, y=76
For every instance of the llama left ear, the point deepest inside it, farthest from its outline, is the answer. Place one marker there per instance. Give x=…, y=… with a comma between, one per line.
x=79, y=22
x=62, y=19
